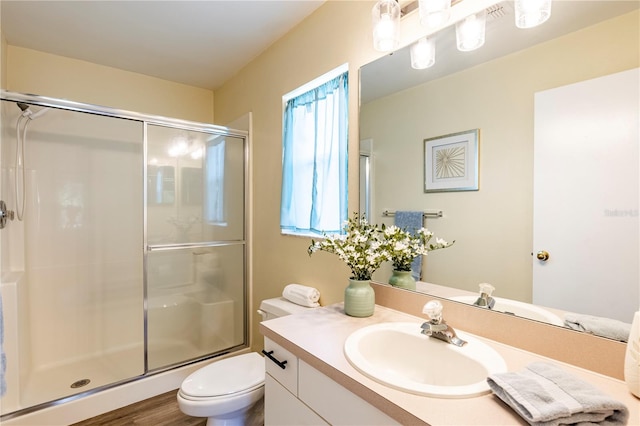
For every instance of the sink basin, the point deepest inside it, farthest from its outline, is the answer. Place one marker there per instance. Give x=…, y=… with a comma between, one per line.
x=396, y=354
x=520, y=309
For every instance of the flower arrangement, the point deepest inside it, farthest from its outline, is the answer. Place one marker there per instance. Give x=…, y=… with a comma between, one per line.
x=402, y=247
x=359, y=247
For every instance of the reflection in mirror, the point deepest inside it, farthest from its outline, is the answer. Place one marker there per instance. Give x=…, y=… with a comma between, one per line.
x=191, y=186
x=504, y=89
x=161, y=184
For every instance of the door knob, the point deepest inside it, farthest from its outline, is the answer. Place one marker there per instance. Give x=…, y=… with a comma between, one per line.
x=543, y=255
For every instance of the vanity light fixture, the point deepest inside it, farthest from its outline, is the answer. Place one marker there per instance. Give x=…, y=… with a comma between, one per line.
x=470, y=31
x=423, y=53
x=434, y=13
x=531, y=13
x=386, y=25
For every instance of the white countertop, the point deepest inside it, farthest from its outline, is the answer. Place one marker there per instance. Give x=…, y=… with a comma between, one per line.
x=318, y=335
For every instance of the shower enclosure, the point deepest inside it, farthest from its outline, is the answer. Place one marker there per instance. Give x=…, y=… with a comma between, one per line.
x=122, y=247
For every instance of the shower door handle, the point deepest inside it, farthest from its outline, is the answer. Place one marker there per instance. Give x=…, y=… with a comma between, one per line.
x=4, y=214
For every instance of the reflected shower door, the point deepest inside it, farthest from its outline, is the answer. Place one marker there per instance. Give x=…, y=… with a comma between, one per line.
x=75, y=320
x=196, y=244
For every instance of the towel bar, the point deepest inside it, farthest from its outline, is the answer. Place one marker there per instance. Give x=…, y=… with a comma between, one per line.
x=425, y=214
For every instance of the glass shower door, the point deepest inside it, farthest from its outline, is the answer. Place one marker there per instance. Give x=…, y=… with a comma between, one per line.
x=72, y=267
x=195, y=244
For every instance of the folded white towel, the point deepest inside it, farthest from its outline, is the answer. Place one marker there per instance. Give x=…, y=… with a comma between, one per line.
x=302, y=295
x=545, y=395
x=600, y=326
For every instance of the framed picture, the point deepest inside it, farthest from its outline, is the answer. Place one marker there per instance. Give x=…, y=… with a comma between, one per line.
x=451, y=162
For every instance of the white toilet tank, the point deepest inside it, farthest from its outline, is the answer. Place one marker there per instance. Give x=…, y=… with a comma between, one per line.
x=279, y=307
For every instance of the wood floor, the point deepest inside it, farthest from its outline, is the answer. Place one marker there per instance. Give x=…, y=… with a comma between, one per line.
x=161, y=410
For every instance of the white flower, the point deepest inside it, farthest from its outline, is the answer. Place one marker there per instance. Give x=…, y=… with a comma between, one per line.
x=358, y=247
x=402, y=247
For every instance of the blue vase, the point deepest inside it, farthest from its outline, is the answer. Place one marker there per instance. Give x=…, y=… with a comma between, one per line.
x=359, y=298
x=402, y=279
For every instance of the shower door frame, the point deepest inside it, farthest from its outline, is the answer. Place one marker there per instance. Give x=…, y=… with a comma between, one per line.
x=149, y=119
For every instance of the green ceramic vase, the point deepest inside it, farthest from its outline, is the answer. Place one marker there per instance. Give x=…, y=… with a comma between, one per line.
x=359, y=298
x=402, y=279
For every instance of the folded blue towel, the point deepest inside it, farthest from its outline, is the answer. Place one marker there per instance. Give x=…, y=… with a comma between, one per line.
x=545, y=395
x=411, y=222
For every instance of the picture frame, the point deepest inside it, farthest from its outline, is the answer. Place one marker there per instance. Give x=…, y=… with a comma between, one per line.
x=451, y=162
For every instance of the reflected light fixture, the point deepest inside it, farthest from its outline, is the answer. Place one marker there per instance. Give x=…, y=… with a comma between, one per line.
x=434, y=13
x=531, y=13
x=386, y=25
x=423, y=53
x=470, y=31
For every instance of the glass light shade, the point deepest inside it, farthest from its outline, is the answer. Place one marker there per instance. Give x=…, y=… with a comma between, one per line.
x=470, y=31
x=386, y=25
x=423, y=53
x=434, y=13
x=531, y=13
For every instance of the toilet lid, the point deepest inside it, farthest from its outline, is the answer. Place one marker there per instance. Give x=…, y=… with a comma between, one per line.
x=227, y=376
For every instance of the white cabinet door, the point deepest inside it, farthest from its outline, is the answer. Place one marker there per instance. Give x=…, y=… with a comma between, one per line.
x=335, y=403
x=287, y=376
x=282, y=408
x=586, y=196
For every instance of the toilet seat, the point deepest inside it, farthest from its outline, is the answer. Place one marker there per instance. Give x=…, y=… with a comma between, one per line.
x=220, y=397
x=230, y=376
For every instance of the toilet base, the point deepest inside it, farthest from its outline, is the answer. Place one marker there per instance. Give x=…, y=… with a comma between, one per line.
x=236, y=418
x=222, y=411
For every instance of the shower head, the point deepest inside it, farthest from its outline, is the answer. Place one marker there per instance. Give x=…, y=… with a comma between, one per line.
x=38, y=114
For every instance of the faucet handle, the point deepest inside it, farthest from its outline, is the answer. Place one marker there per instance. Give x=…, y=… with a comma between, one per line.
x=433, y=309
x=486, y=288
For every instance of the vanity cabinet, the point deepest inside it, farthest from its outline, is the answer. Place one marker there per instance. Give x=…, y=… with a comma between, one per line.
x=281, y=403
x=301, y=395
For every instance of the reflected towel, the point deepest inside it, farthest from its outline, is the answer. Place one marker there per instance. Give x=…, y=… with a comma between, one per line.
x=411, y=222
x=600, y=326
x=544, y=395
x=302, y=295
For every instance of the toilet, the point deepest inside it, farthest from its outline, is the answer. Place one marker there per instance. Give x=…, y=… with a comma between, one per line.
x=225, y=390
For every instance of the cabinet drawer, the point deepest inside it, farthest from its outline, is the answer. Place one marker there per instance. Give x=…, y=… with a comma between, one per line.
x=287, y=376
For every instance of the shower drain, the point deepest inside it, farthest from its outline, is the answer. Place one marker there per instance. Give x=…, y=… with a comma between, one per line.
x=80, y=383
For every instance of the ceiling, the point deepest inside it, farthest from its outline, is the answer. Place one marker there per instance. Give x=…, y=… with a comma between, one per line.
x=200, y=43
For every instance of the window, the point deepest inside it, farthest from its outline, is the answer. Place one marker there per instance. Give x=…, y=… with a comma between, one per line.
x=315, y=157
x=214, y=205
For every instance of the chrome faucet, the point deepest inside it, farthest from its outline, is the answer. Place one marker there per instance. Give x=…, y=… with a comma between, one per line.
x=437, y=326
x=485, y=300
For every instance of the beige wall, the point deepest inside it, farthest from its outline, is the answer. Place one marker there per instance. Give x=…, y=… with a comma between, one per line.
x=31, y=71
x=3, y=60
x=338, y=32
x=492, y=227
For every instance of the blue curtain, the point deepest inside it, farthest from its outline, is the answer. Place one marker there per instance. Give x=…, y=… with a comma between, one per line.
x=315, y=157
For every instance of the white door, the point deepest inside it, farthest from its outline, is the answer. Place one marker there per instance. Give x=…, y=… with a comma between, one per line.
x=586, y=196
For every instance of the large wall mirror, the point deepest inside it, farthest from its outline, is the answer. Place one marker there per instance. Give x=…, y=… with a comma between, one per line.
x=522, y=87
